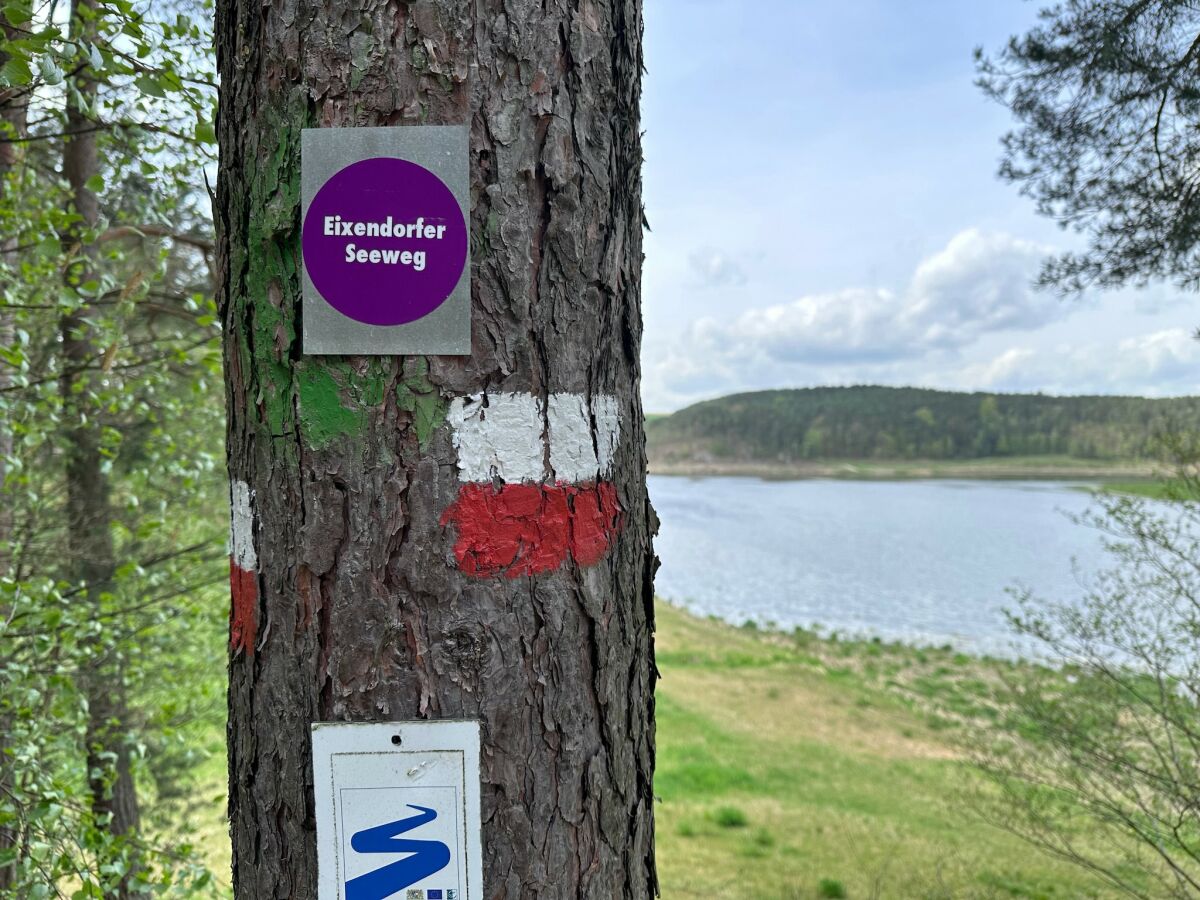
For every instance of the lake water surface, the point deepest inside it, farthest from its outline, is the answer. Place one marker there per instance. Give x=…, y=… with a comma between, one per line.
x=923, y=561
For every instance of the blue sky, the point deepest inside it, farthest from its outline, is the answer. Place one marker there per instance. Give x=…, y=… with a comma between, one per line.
x=820, y=184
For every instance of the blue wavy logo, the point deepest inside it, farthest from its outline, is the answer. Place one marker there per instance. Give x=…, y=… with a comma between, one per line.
x=427, y=857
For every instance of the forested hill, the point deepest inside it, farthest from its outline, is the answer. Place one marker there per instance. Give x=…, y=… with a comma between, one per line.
x=883, y=423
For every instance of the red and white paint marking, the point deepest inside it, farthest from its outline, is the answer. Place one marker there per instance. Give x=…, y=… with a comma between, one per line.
x=553, y=502
x=243, y=569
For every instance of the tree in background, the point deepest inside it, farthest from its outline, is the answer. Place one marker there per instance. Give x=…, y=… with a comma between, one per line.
x=914, y=423
x=1100, y=767
x=368, y=586
x=107, y=370
x=1108, y=96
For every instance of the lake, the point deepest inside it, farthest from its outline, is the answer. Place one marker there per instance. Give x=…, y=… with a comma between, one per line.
x=921, y=561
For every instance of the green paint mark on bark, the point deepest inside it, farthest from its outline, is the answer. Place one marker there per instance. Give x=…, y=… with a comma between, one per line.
x=323, y=417
x=418, y=396
x=336, y=400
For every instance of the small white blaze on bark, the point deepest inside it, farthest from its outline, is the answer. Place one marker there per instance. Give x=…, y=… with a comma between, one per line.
x=507, y=438
x=241, y=526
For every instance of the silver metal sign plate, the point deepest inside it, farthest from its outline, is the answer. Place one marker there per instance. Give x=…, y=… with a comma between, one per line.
x=442, y=150
x=398, y=820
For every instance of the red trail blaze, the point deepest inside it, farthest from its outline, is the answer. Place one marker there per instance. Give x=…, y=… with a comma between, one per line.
x=524, y=529
x=243, y=611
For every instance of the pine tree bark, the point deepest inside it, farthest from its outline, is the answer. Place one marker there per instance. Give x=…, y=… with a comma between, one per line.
x=88, y=507
x=355, y=606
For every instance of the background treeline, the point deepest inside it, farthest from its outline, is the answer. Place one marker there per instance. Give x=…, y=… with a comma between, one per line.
x=911, y=423
x=112, y=489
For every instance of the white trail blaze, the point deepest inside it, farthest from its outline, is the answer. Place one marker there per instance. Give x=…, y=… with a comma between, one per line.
x=241, y=527
x=506, y=439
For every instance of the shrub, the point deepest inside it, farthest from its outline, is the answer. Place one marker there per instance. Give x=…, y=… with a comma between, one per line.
x=730, y=817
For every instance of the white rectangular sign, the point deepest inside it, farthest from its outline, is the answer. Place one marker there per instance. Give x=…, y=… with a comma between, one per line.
x=398, y=810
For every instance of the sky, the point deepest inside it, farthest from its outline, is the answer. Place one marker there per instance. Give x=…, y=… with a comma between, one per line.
x=820, y=183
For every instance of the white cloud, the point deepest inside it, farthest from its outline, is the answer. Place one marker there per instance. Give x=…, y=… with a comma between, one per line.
x=715, y=268
x=980, y=282
x=1159, y=363
x=1010, y=368
x=977, y=284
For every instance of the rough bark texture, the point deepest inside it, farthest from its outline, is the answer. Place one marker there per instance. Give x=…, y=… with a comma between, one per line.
x=359, y=610
x=92, y=558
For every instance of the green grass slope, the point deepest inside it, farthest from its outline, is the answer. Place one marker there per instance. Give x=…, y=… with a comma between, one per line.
x=796, y=768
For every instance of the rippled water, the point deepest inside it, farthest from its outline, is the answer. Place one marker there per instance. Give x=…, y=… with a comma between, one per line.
x=925, y=561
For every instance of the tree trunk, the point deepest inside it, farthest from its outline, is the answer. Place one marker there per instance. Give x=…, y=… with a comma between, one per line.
x=14, y=111
x=89, y=511
x=14, y=108
x=368, y=584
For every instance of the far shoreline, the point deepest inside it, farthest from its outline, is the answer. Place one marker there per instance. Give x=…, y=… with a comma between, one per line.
x=993, y=469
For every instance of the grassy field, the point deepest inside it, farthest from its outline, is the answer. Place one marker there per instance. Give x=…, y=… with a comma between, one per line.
x=797, y=767
x=1157, y=489
x=209, y=830
x=794, y=767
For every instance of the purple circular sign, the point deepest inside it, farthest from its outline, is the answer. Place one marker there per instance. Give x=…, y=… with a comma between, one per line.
x=384, y=241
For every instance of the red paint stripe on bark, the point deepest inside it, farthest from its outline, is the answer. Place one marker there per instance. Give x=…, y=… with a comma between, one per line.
x=243, y=612
x=524, y=529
